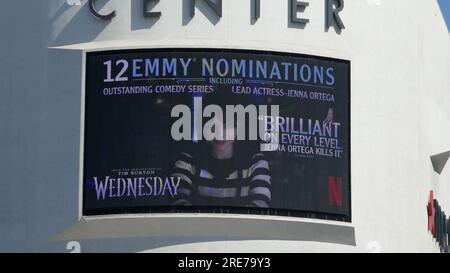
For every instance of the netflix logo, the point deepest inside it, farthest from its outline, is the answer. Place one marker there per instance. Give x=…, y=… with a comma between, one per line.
x=335, y=191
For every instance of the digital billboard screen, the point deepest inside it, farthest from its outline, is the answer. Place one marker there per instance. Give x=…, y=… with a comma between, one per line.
x=196, y=129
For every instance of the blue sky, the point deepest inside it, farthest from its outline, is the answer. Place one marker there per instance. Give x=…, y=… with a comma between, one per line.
x=445, y=6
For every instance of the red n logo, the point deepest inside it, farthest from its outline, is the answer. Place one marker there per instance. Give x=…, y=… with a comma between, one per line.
x=335, y=188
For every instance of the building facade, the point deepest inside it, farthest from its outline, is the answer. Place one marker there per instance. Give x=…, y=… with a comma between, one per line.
x=399, y=58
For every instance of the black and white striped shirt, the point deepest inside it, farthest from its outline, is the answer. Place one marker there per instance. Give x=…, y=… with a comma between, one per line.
x=221, y=183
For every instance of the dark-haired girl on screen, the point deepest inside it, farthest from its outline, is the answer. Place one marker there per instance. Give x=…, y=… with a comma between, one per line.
x=219, y=174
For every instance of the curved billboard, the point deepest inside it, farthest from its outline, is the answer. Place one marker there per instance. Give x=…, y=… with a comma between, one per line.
x=216, y=130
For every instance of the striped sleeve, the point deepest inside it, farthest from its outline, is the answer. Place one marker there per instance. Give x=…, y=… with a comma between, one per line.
x=260, y=194
x=184, y=169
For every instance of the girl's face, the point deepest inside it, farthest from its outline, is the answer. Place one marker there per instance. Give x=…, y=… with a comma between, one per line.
x=224, y=137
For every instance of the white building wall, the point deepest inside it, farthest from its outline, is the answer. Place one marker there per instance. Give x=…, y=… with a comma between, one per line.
x=400, y=62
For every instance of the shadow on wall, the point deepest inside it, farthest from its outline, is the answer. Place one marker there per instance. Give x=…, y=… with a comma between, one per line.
x=138, y=21
x=83, y=27
x=203, y=8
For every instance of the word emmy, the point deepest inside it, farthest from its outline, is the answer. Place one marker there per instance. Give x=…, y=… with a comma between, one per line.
x=332, y=18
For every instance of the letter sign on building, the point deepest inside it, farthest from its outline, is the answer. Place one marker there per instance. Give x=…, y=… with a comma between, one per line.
x=332, y=17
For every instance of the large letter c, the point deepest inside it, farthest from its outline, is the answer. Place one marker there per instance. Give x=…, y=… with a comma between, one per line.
x=98, y=15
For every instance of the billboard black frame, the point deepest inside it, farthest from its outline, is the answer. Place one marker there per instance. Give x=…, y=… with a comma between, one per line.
x=218, y=210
